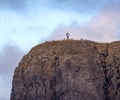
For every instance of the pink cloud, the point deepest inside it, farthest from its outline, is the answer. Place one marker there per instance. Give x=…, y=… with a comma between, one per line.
x=103, y=27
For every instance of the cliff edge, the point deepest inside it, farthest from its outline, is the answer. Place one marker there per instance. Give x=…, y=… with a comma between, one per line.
x=69, y=70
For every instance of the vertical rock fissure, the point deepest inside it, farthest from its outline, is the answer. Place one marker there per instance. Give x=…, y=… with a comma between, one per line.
x=53, y=81
x=106, y=83
x=116, y=60
x=43, y=80
x=44, y=85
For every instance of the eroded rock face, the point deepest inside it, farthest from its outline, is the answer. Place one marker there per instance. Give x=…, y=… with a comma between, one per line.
x=69, y=70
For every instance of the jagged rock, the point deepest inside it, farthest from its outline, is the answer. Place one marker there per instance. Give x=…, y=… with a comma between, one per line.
x=69, y=70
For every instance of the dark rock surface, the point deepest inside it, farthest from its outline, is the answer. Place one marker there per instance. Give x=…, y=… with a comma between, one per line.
x=69, y=70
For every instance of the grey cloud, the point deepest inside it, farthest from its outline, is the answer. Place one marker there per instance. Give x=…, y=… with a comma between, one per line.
x=80, y=5
x=76, y=5
x=13, y=4
x=9, y=58
x=3, y=98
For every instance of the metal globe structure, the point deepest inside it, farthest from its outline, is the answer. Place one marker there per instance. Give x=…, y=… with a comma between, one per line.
x=68, y=35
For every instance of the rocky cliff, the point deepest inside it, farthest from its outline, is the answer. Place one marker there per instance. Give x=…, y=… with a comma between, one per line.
x=69, y=70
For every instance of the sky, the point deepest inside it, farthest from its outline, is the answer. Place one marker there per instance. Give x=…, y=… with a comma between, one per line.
x=26, y=23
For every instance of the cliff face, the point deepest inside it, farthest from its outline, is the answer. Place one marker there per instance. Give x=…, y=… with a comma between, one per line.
x=69, y=70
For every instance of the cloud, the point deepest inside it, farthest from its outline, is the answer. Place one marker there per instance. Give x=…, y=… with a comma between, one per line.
x=13, y=4
x=76, y=5
x=3, y=98
x=9, y=59
x=79, y=5
x=104, y=27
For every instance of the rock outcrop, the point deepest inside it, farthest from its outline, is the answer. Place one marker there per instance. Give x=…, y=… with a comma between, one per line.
x=69, y=70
